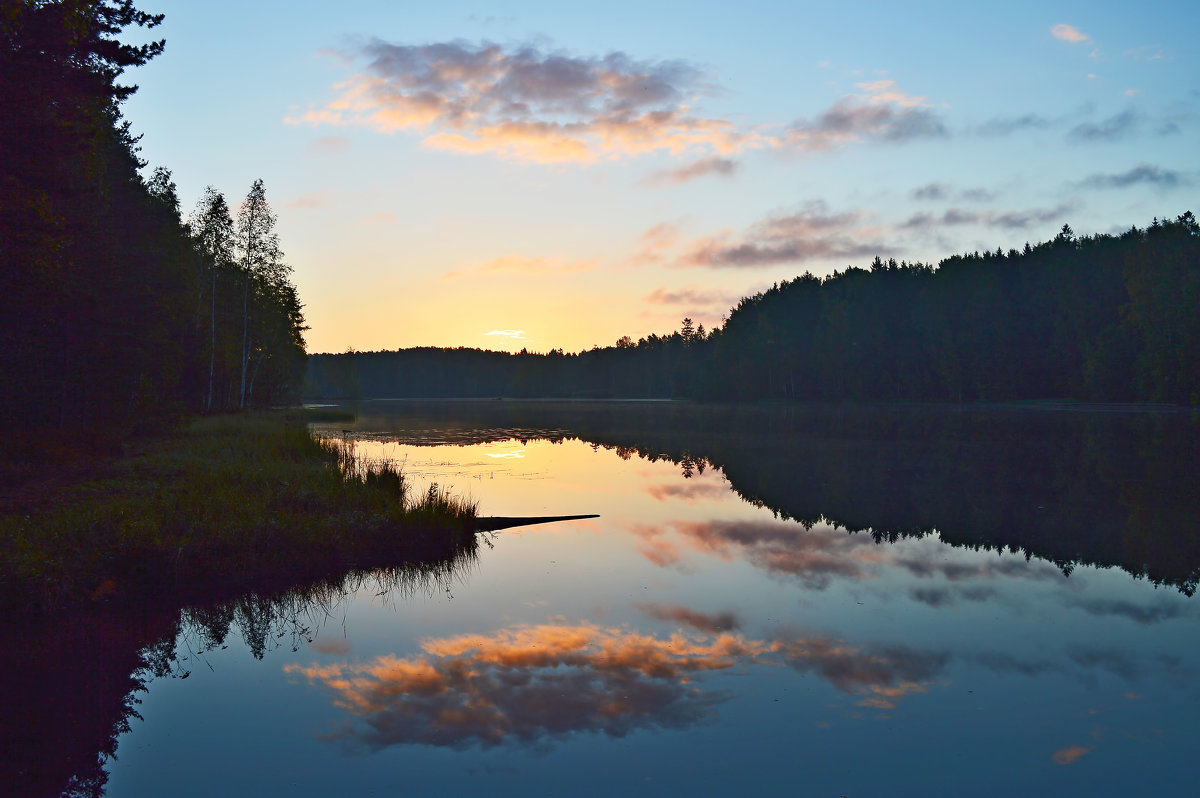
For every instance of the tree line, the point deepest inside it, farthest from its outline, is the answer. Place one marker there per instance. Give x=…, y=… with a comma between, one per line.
x=114, y=308
x=1103, y=317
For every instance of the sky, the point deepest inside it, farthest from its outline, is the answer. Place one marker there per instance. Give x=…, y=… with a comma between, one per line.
x=559, y=175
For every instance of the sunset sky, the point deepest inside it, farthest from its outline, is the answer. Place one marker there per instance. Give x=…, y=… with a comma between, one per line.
x=550, y=175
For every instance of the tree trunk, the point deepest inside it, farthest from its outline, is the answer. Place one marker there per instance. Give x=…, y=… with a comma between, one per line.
x=212, y=351
x=245, y=335
x=254, y=376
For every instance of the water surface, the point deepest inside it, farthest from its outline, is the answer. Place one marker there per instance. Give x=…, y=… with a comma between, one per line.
x=803, y=602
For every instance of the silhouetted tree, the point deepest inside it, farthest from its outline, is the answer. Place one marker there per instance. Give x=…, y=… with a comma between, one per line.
x=101, y=285
x=212, y=227
x=1097, y=317
x=261, y=260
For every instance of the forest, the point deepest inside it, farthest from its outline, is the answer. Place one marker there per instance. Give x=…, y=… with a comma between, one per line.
x=119, y=311
x=1102, y=318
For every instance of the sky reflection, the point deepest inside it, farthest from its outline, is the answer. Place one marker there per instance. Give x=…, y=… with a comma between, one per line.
x=687, y=637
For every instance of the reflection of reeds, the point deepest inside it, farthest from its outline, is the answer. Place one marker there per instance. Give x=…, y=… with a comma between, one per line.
x=295, y=615
x=236, y=503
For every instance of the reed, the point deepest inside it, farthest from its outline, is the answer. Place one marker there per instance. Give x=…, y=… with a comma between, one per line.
x=235, y=502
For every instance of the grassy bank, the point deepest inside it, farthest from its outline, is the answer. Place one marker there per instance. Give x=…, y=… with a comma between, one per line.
x=238, y=502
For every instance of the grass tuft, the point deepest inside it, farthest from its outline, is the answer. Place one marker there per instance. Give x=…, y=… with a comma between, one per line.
x=234, y=502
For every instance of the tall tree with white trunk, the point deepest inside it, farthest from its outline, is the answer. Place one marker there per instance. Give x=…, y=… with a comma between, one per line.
x=261, y=261
x=211, y=227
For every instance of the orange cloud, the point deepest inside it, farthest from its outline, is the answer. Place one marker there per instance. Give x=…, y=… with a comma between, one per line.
x=525, y=104
x=537, y=142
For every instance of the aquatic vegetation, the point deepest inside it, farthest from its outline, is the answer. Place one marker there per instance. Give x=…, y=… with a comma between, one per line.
x=236, y=502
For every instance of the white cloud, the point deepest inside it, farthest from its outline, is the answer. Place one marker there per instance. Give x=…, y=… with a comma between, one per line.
x=1069, y=33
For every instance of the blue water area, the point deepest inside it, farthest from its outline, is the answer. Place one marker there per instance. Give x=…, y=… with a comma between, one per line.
x=772, y=605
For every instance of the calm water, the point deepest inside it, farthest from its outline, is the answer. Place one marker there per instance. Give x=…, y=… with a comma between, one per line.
x=720, y=629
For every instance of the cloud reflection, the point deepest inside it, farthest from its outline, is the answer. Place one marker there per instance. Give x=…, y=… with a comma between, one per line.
x=1070, y=755
x=938, y=597
x=528, y=685
x=688, y=492
x=533, y=685
x=929, y=564
x=815, y=556
x=818, y=555
x=713, y=624
x=1144, y=615
x=336, y=645
x=883, y=675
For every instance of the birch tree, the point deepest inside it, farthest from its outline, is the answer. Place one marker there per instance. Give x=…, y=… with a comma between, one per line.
x=261, y=260
x=212, y=229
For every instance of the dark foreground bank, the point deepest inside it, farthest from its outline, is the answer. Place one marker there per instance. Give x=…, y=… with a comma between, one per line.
x=232, y=503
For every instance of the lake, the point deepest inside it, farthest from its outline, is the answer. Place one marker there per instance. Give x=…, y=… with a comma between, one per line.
x=808, y=600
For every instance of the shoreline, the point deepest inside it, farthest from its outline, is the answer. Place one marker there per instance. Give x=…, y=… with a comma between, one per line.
x=230, y=503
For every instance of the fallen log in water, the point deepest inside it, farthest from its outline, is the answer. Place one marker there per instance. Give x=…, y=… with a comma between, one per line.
x=496, y=522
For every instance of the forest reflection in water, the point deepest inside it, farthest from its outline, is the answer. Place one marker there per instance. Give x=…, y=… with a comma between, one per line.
x=75, y=685
x=928, y=570
x=1073, y=484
